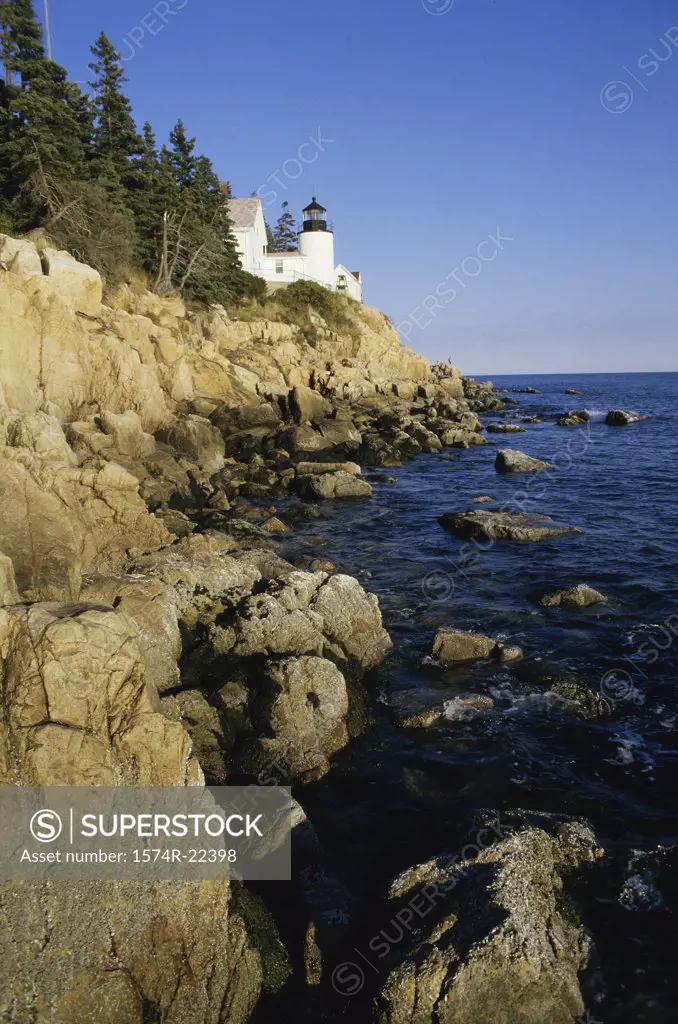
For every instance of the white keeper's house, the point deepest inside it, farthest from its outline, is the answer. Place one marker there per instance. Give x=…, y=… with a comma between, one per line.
x=313, y=262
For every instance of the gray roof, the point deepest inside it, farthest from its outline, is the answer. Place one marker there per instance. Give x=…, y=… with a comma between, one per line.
x=243, y=212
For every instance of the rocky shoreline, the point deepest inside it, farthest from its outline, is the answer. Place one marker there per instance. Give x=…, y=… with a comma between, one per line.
x=164, y=621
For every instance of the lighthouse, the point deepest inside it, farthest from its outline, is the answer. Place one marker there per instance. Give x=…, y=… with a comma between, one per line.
x=316, y=243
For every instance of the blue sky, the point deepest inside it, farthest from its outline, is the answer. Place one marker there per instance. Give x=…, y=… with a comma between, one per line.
x=448, y=121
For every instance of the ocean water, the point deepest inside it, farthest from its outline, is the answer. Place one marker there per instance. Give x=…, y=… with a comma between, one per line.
x=398, y=796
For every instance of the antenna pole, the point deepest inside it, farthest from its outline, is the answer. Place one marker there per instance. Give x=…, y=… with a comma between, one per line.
x=48, y=34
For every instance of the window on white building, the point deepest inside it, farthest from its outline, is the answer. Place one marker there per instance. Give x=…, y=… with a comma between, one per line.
x=279, y=266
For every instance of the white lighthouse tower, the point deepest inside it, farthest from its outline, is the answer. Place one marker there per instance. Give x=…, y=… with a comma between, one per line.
x=316, y=243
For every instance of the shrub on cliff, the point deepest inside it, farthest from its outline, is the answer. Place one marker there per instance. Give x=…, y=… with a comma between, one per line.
x=296, y=301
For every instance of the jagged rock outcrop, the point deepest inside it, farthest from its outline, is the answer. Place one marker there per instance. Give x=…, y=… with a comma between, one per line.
x=490, y=939
x=76, y=706
x=148, y=355
x=60, y=520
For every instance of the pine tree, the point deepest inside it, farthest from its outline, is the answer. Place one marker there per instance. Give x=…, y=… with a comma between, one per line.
x=285, y=237
x=41, y=132
x=182, y=155
x=153, y=191
x=116, y=140
x=197, y=251
x=21, y=36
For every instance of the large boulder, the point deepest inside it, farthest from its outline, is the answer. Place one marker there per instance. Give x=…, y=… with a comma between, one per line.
x=80, y=286
x=199, y=440
x=334, y=485
x=127, y=435
x=299, y=713
x=490, y=939
x=308, y=406
x=307, y=613
x=76, y=706
x=19, y=256
x=510, y=460
x=484, y=525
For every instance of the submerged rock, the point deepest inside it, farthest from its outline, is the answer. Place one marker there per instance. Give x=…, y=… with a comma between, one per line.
x=506, y=653
x=580, y=596
x=510, y=460
x=482, y=499
x=422, y=719
x=502, y=525
x=490, y=939
x=587, y=702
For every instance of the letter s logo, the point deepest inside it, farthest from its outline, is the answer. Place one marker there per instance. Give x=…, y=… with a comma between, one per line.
x=46, y=826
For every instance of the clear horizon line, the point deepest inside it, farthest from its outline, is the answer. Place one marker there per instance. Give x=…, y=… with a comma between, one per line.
x=565, y=373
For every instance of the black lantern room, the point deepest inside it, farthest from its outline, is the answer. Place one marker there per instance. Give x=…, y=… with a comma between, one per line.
x=315, y=217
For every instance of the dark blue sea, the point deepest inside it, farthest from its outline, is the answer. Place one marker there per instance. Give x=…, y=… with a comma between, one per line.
x=398, y=796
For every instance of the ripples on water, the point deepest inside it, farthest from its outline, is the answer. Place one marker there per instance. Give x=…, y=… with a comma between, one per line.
x=620, y=486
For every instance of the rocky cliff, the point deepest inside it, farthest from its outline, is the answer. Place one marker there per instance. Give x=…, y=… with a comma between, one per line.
x=104, y=421
x=157, y=626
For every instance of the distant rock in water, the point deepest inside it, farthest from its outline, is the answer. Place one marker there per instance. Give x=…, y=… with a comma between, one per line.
x=510, y=460
x=456, y=645
x=576, y=418
x=571, y=391
x=505, y=428
x=498, y=525
x=525, y=391
x=622, y=418
x=581, y=596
